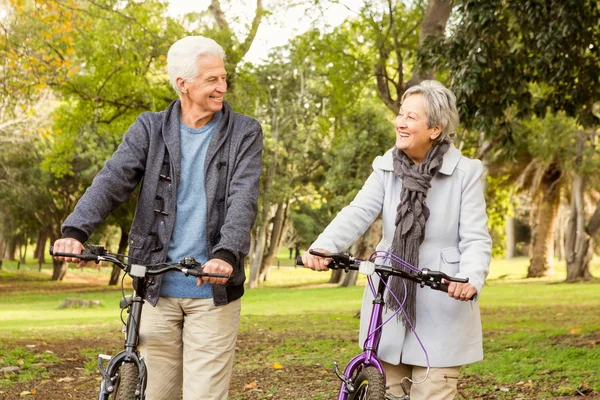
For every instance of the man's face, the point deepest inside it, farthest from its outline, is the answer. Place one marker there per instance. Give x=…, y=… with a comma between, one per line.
x=207, y=90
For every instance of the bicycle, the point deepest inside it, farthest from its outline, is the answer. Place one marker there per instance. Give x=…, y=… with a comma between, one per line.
x=364, y=377
x=124, y=377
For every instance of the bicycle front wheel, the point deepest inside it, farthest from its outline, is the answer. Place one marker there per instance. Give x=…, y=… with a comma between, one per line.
x=368, y=385
x=126, y=384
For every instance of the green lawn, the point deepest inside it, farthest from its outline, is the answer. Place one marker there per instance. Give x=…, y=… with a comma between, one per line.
x=541, y=337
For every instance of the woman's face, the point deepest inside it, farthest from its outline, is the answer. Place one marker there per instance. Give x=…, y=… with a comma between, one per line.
x=412, y=134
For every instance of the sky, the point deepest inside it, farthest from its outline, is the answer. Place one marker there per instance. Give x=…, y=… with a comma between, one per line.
x=271, y=33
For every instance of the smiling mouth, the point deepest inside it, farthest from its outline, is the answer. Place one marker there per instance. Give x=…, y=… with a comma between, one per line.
x=402, y=135
x=219, y=99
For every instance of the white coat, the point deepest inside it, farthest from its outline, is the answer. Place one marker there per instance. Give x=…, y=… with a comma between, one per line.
x=456, y=242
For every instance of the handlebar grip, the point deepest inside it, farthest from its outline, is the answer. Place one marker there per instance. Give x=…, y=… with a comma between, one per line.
x=85, y=256
x=299, y=261
x=198, y=274
x=444, y=288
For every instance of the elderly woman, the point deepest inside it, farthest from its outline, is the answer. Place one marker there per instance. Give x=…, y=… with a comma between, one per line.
x=433, y=209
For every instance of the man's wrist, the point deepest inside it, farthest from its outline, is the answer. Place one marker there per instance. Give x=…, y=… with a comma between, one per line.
x=74, y=233
x=227, y=256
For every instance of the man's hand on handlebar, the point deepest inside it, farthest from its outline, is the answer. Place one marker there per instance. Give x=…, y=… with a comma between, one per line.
x=461, y=291
x=69, y=245
x=315, y=262
x=215, y=266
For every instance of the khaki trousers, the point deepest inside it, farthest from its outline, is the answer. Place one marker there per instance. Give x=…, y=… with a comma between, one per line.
x=441, y=384
x=189, y=342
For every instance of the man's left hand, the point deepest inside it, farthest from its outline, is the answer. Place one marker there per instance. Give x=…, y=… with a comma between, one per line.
x=216, y=266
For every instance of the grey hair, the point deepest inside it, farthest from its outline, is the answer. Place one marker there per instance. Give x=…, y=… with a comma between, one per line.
x=440, y=105
x=182, y=58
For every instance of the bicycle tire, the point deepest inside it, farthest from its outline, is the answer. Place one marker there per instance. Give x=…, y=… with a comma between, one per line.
x=126, y=383
x=368, y=385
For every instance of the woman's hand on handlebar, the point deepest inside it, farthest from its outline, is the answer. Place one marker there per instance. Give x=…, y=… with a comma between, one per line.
x=215, y=266
x=315, y=262
x=69, y=245
x=461, y=291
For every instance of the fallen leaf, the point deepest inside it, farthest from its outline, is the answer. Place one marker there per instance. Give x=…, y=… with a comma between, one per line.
x=276, y=365
x=575, y=330
x=24, y=393
x=251, y=385
x=20, y=362
x=66, y=379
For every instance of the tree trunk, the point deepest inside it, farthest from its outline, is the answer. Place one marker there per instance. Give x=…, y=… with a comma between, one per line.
x=11, y=249
x=510, y=237
x=257, y=256
x=561, y=222
x=433, y=25
x=542, y=260
x=362, y=248
x=59, y=270
x=275, y=239
x=2, y=247
x=40, y=246
x=116, y=271
x=578, y=243
x=578, y=240
x=336, y=276
x=23, y=252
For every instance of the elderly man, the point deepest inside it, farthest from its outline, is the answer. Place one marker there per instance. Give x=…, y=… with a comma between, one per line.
x=200, y=163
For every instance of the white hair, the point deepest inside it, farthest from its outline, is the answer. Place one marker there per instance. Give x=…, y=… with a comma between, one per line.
x=182, y=58
x=440, y=105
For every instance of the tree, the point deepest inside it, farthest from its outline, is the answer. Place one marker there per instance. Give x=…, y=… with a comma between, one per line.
x=522, y=58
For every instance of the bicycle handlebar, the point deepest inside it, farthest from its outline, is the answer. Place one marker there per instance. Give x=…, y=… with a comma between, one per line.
x=425, y=277
x=98, y=253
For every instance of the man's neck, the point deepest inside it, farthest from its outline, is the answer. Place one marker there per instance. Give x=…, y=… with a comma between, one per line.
x=193, y=117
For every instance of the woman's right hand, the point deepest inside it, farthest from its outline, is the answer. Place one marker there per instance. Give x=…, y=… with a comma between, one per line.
x=69, y=245
x=315, y=262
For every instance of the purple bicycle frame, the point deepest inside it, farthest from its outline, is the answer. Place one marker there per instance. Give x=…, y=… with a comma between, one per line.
x=369, y=355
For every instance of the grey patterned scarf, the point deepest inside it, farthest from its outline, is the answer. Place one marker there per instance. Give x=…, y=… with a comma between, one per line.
x=411, y=216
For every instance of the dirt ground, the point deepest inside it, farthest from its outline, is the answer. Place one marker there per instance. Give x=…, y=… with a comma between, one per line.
x=69, y=380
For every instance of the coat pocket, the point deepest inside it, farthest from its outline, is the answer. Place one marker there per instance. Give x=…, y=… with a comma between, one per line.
x=450, y=260
x=136, y=241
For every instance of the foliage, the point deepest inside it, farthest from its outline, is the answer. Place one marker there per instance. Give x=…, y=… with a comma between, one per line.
x=497, y=50
x=499, y=207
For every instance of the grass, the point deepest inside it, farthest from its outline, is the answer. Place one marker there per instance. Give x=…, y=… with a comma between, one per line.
x=541, y=336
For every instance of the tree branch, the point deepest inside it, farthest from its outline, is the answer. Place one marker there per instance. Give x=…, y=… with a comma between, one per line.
x=244, y=47
x=215, y=9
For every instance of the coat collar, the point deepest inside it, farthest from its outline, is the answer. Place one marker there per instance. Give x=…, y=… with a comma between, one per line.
x=451, y=159
x=172, y=127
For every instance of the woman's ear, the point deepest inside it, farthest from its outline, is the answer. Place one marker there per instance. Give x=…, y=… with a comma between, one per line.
x=435, y=132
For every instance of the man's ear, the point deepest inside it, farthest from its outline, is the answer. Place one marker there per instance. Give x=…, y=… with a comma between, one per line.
x=181, y=85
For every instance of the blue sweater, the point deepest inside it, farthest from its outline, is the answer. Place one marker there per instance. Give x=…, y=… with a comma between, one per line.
x=189, y=233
